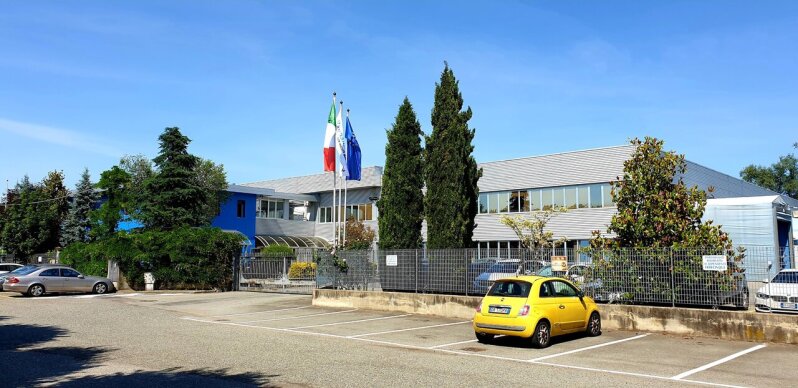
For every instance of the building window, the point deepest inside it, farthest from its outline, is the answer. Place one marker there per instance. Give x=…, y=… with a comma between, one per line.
x=546, y=199
x=570, y=198
x=581, y=197
x=483, y=203
x=534, y=200
x=606, y=190
x=271, y=208
x=360, y=212
x=241, y=208
x=595, y=196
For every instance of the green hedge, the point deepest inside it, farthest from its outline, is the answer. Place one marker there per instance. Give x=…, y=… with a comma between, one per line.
x=185, y=258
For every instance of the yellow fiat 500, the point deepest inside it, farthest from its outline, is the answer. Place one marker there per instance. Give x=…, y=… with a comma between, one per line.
x=537, y=308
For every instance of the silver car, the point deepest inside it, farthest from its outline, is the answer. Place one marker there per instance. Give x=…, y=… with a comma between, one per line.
x=35, y=280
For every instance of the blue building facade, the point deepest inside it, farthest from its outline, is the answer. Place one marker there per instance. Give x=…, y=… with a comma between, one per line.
x=238, y=213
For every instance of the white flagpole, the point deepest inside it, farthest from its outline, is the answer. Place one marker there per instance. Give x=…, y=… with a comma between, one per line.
x=334, y=215
x=345, y=179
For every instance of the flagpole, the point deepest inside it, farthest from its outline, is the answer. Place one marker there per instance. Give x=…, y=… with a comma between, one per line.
x=341, y=209
x=346, y=180
x=334, y=215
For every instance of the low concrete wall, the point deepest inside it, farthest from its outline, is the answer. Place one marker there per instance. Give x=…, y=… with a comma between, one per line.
x=732, y=325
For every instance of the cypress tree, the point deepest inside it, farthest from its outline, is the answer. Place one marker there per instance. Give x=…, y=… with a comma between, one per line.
x=174, y=197
x=401, y=202
x=450, y=170
x=76, y=228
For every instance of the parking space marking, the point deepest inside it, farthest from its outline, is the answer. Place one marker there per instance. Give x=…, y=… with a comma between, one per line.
x=452, y=344
x=458, y=352
x=408, y=329
x=260, y=312
x=300, y=316
x=348, y=322
x=587, y=348
x=718, y=362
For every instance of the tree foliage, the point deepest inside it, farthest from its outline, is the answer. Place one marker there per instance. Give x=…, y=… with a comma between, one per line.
x=114, y=184
x=78, y=223
x=140, y=168
x=401, y=202
x=32, y=222
x=358, y=235
x=174, y=196
x=781, y=177
x=212, y=179
x=450, y=170
x=531, y=230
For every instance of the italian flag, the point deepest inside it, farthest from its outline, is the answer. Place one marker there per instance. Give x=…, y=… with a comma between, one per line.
x=329, y=141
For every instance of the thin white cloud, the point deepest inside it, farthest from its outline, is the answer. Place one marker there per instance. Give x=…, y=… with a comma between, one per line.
x=58, y=136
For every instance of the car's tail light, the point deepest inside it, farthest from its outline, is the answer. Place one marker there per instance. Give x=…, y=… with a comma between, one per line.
x=524, y=311
x=13, y=280
x=479, y=307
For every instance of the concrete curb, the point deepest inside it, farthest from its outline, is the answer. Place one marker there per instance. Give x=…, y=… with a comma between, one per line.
x=732, y=325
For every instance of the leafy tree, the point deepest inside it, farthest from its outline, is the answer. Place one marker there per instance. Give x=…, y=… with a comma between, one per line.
x=531, y=230
x=55, y=207
x=114, y=184
x=358, y=235
x=781, y=177
x=212, y=179
x=401, y=202
x=174, y=197
x=450, y=170
x=140, y=169
x=78, y=223
x=35, y=213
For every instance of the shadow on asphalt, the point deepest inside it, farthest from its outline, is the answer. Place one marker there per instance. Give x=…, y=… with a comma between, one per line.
x=26, y=360
x=518, y=342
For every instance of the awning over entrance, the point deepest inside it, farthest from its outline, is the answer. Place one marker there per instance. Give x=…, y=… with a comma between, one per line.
x=291, y=241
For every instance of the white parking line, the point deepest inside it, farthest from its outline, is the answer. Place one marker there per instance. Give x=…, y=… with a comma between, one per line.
x=587, y=348
x=451, y=344
x=348, y=322
x=310, y=333
x=410, y=329
x=300, y=316
x=259, y=312
x=718, y=362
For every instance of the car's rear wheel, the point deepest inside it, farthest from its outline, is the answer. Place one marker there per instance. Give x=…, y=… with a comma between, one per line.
x=594, y=325
x=36, y=290
x=484, y=338
x=100, y=288
x=541, y=337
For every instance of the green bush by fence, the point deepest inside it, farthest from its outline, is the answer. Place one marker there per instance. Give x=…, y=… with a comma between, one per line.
x=184, y=258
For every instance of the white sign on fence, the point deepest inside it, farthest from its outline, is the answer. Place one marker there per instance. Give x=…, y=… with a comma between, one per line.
x=391, y=260
x=559, y=263
x=715, y=262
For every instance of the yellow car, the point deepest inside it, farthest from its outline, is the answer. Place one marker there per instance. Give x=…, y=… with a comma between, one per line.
x=537, y=308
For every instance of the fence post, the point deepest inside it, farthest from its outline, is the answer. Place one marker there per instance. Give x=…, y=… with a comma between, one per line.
x=673, y=281
x=465, y=271
x=416, y=270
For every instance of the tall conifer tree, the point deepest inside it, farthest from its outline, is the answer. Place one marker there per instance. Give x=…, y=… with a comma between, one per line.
x=450, y=172
x=174, y=197
x=402, y=201
x=78, y=223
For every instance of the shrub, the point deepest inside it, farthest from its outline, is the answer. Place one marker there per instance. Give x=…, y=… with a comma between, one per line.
x=87, y=258
x=277, y=251
x=302, y=270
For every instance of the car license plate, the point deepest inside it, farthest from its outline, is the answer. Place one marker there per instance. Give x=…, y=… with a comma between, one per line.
x=499, y=310
x=792, y=306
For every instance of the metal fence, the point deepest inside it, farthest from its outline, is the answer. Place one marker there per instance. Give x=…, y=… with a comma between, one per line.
x=683, y=277
x=275, y=273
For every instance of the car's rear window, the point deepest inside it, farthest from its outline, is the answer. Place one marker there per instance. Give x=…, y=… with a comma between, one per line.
x=503, y=268
x=786, y=277
x=24, y=270
x=510, y=288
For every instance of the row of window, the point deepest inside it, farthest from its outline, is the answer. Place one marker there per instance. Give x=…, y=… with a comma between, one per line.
x=271, y=209
x=362, y=212
x=570, y=197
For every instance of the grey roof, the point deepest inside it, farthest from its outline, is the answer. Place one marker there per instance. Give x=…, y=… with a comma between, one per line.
x=370, y=177
x=596, y=165
x=250, y=190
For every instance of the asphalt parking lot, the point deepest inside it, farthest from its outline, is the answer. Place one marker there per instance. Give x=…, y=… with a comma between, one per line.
x=282, y=340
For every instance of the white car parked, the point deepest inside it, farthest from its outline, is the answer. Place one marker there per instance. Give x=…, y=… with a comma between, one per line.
x=780, y=294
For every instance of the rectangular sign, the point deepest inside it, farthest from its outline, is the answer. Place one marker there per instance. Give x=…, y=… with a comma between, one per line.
x=559, y=263
x=391, y=260
x=715, y=262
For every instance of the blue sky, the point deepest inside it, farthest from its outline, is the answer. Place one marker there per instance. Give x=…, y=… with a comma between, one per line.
x=84, y=82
